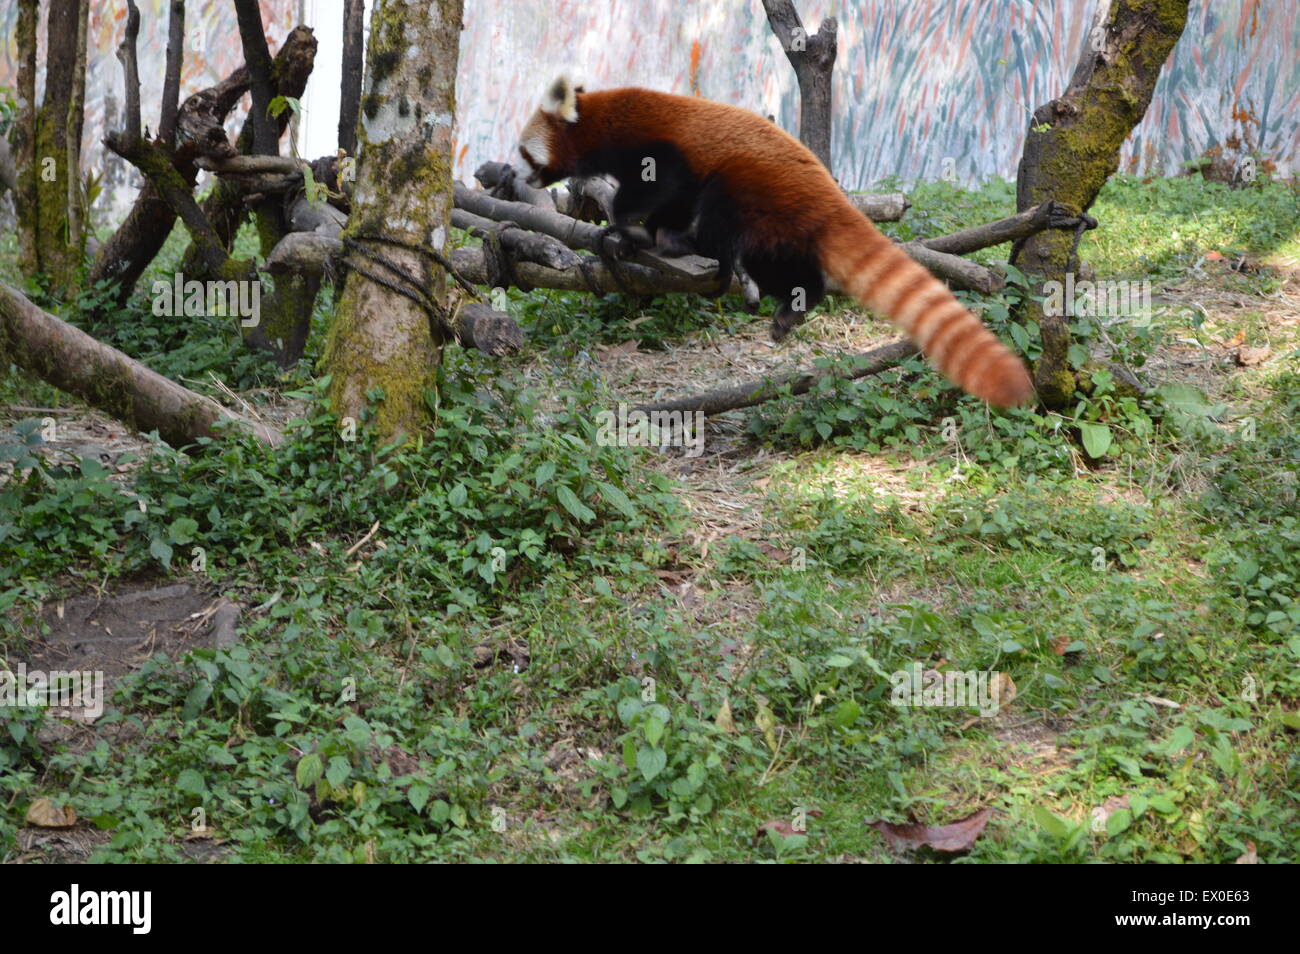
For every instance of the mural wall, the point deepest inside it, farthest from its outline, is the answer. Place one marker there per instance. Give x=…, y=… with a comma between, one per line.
x=920, y=85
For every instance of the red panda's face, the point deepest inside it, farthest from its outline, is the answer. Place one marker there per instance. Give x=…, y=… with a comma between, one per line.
x=536, y=147
x=539, y=143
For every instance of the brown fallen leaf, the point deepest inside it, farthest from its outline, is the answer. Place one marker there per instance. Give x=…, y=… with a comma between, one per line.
x=773, y=552
x=1249, y=357
x=675, y=577
x=1002, y=688
x=1248, y=857
x=957, y=836
x=45, y=814
x=778, y=825
x=1236, y=340
x=724, y=720
x=783, y=827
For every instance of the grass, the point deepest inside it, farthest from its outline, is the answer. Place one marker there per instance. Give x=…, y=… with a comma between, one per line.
x=558, y=651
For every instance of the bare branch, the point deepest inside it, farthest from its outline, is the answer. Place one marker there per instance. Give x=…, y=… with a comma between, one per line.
x=524, y=245
x=126, y=55
x=1013, y=227
x=880, y=207
x=171, y=95
x=756, y=392
x=504, y=181
x=258, y=60
x=155, y=164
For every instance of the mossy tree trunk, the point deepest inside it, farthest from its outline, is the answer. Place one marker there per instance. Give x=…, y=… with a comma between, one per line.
x=51, y=201
x=1073, y=147
x=381, y=338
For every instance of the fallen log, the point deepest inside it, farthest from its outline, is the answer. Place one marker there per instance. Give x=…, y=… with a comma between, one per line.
x=756, y=392
x=105, y=378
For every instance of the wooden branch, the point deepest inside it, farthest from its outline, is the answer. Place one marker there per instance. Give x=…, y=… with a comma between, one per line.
x=504, y=182
x=485, y=329
x=1022, y=224
x=699, y=274
x=73, y=122
x=303, y=253
x=956, y=271
x=235, y=165
x=224, y=207
x=575, y=234
x=317, y=217
x=258, y=60
x=592, y=275
x=171, y=95
x=105, y=378
x=155, y=164
x=522, y=244
x=756, y=392
x=590, y=199
x=200, y=131
x=127, y=56
x=880, y=207
x=354, y=50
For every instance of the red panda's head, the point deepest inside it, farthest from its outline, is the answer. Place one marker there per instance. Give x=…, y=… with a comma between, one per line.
x=541, y=144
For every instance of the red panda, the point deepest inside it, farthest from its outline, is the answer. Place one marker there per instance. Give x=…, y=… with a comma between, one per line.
x=743, y=188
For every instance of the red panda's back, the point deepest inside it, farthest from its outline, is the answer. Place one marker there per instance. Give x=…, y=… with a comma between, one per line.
x=780, y=186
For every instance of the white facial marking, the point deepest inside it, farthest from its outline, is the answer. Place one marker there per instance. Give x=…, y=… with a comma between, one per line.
x=537, y=150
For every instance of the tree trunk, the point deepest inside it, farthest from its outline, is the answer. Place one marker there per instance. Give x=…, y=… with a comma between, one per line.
x=1073, y=147
x=813, y=59
x=24, y=137
x=354, y=17
x=381, y=338
x=52, y=214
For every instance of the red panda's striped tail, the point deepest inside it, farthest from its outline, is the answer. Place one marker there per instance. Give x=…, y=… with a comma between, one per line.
x=879, y=274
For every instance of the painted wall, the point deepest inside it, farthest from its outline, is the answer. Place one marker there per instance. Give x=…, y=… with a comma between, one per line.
x=918, y=83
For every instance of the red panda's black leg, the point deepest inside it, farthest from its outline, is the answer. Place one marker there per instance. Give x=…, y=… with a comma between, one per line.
x=716, y=226
x=654, y=184
x=792, y=277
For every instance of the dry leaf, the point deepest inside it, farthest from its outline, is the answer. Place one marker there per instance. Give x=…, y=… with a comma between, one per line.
x=724, y=721
x=766, y=722
x=778, y=825
x=775, y=553
x=1249, y=357
x=958, y=836
x=45, y=814
x=783, y=827
x=1002, y=689
x=1213, y=256
x=1236, y=340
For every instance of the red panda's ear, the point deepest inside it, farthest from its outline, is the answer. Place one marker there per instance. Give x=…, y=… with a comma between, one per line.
x=561, y=100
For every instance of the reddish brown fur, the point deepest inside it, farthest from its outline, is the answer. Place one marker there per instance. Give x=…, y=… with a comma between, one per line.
x=785, y=196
